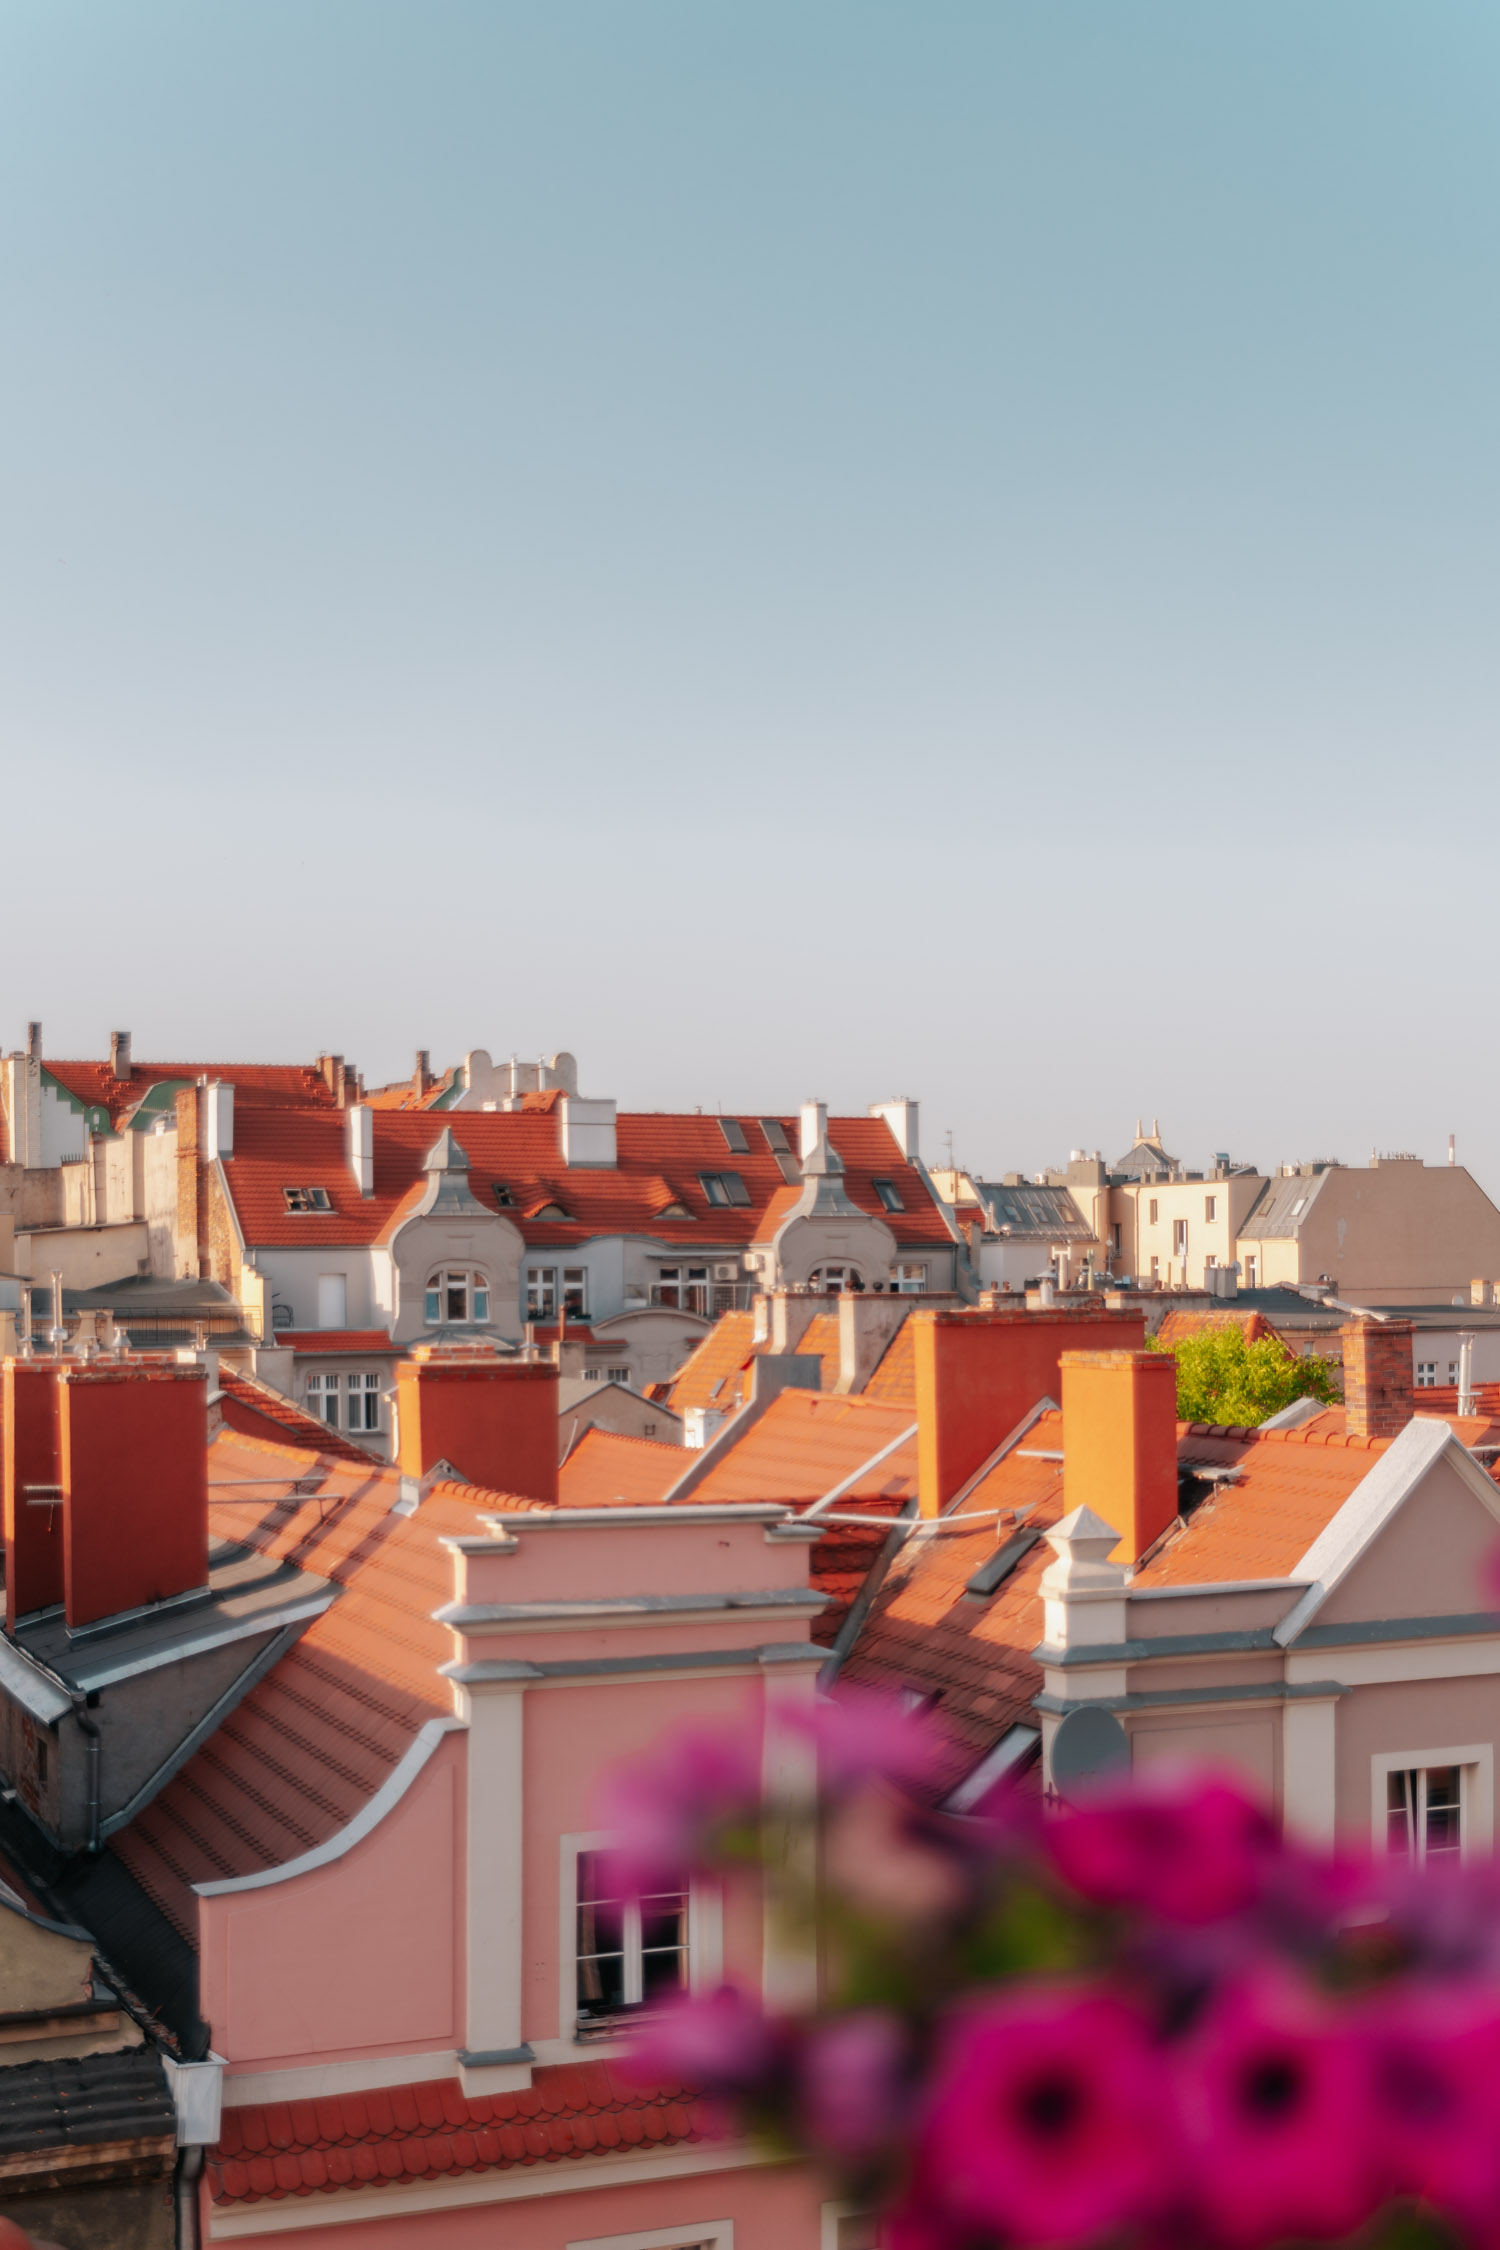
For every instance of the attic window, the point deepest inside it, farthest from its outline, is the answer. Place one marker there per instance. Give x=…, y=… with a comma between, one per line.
x=734, y=1135
x=775, y=1133
x=307, y=1199
x=503, y=1196
x=724, y=1188
x=889, y=1194
x=674, y=1210
x=551, y=1211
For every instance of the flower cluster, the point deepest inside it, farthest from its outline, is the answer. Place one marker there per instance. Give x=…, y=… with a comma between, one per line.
x=1148, y=2019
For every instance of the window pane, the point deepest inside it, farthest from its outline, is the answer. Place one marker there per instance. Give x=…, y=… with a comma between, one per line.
x=664, y=1927
x=1442, y=1839
x=1398, y=1812
x=481, y=1301
x=432, y=1311
x=601, y=1938
x=457, y=1296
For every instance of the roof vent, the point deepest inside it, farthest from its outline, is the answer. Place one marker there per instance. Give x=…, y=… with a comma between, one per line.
x=119, y=1052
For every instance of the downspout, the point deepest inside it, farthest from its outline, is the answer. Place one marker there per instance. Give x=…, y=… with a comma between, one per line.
x=185, y=2195
x=89, y=1728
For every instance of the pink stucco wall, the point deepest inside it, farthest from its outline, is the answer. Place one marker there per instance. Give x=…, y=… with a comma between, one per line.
x=363, y=1956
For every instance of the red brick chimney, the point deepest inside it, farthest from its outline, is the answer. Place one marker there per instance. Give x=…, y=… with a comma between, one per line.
x=1379, y=1397
x=494, y=1419
x=978, y=1373
x=133, y=1466
x=1120, y=1443
x=33, y=1521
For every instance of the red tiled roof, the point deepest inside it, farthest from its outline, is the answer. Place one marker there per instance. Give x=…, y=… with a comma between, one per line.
x=607, y=1467
x=808, y=1441
x=894, y=1381
x=706, y=1376
x=820, y=1339
x=776, y=1210
x=345, y=1340
x=259, y=1410
x=662, y=1159
x=313, y=1740
x=283, y=1085
x=268, y=2151
x=1291, y=1484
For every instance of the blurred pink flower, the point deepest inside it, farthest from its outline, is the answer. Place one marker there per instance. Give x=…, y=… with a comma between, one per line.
x=721, y=2045
x=667, y=1808
x=1045, y=2121
x=1434, y=2076
x=1276, y=2120
x=1188, y=1847
x=851, y=2082
x=863, y=1735
x=883, y=1861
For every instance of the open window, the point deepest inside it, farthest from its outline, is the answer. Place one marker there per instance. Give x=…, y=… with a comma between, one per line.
x=622, y=1957
x=1429, y=1806
x=307, y=1199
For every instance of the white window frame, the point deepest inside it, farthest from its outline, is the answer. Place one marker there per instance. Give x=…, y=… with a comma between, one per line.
x=701, y=2234
x=1476, y=1791
x=336, y=1284
x=1252, y=1266
x=899, y=1278
x=541, y=1281
x=705, y=1946
x=476, y=1285
x=831, y=2217
x=1426, y=1374
x=817, y=1280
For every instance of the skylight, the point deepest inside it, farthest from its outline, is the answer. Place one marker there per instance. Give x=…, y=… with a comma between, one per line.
x=734, y=1134
x=724, y=1188
x=775, y=1133
x=307, y=1199
x=889, y=1194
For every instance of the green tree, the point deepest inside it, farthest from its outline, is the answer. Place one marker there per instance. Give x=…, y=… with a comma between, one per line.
x=1224, y=1378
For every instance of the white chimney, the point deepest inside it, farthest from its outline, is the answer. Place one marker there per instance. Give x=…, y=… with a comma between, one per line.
x=588, y=1133
x=218, y=1120
x=814, y=1127
x=699, y=1424
x=902, y=1119
x=360, y=1134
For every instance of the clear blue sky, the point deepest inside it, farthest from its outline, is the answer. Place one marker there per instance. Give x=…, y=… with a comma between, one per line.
x=807, y=547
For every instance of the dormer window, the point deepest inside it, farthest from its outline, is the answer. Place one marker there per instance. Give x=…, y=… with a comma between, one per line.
x=551, y=1211
x=458, y=1296
x=674, y=1210
x=889, y=1194
x=724, y=1188
x=503, y=1196
x=307, y=1199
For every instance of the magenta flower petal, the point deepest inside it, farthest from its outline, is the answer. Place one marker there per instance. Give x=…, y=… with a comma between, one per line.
x=723, y=2045
x=1276, y=2119
x=1187, y=1847
x=1045, y=2122
x=1434, y=2079
x=666, y=1808
x=863, y=1735
x=851, y=2082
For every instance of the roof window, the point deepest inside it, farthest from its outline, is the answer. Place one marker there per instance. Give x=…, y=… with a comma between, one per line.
x=734, y=1135
x=889, y=1194
x=307, y=1199
x=991, y=1575
x=775, y=1133
x=724, y=1188
x=504, y=1197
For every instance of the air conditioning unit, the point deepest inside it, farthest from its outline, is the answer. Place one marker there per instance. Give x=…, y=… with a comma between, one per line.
x=726, y=1273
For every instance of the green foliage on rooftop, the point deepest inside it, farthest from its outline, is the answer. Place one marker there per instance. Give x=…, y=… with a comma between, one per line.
x=1226, y=1379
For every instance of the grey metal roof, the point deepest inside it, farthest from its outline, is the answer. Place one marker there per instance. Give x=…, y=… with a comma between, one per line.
x=143, y=1293
x=1144, y=1158
x=248, y=1593
x=84, y=2100
x=1048, y=1211
x=1281, y=1207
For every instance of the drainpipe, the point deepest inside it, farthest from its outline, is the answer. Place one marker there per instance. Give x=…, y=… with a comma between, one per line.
x=185, y=2195
x=89, y=1728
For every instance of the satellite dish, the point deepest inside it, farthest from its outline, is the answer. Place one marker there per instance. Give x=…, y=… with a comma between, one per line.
x=1089, y=1747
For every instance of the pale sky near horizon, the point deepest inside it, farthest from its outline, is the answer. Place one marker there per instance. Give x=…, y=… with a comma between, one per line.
x=829, y=548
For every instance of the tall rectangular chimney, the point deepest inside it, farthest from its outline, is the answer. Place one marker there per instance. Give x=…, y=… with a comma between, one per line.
x=1379, y=1381
x=494, y=1419
x=133, y=1466
x=1120, y=1443
x=119, y=1054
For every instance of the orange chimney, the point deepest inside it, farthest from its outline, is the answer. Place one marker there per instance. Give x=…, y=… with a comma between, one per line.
x=1379, y=1396
x=494, y=1419
x=33, y=1522
x=133, y=1466
x=1119, y=1412
x=978, y=1373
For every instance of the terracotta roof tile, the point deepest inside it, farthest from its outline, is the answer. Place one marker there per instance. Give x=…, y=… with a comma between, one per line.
x=259, y=1085
x=317, y=1736
x=708, y=1376
x=411, y=2132
x=808, y=1441
x=663, y=1159
x=606, y=1467
x=1177, y=1326
x=894, y=1381
x=260, y=1410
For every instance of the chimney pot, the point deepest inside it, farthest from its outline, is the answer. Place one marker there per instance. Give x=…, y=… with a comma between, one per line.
x=119, y=1052
x=34, y=1042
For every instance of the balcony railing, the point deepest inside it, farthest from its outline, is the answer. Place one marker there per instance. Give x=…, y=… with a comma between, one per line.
x=708, y=1299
